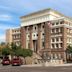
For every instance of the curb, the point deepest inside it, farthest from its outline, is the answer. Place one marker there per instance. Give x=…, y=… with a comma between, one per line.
x=46, y=65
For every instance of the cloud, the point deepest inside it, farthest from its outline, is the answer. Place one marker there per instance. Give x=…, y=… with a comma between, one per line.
x=5, y=17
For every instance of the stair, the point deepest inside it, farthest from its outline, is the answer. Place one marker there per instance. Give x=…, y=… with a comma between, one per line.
x=36, y=58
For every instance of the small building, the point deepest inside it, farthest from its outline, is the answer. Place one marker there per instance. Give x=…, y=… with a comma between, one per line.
x=13, y=35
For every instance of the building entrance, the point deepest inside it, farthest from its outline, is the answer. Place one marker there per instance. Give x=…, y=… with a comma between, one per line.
x=35, y=45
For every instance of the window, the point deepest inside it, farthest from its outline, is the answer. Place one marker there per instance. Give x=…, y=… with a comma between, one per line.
x=52, y=45
x=60, y=44
x=57, y=39
x=57, y=29
x=53, y=40
x=56, y=56
x=37, y=34
x=28, y=35
x=34, y=35
x=52, y=23
x=59, y=56
x=57, y=23
x=35, y=28
x=61, y=22
x=61, y=39
x=56, y=45
x=53, y=30
x=43, y=34
x=43, y=26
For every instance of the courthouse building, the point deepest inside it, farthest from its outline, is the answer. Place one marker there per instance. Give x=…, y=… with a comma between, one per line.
x=47, y=32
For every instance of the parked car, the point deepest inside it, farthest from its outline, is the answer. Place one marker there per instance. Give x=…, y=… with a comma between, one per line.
x=16, y=61
x=6, y=61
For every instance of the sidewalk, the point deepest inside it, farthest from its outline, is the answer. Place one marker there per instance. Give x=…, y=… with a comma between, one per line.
x=41, y=65
x=68, y=64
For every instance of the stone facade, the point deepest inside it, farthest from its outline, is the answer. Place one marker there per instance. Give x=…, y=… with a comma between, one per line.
x=23, y=37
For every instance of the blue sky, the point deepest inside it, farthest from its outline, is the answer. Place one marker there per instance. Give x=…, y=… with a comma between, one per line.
x=11, y=10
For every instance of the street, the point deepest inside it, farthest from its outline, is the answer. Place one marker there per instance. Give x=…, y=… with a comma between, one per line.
x=35, y=69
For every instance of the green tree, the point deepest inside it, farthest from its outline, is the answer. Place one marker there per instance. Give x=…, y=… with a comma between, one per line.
x=27, y=52
x=69, y=49
x=13, y=48
x=19, y=52
x=69, y=53
x=23, y=52
x=5, y=51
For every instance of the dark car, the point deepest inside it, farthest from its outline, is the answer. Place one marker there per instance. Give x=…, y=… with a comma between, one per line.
x=16, y=61
x=6, y=61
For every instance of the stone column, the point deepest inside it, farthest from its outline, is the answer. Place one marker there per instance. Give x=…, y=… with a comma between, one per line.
x=64, y=33
x=23, y=37
x=48, y=38
x=31, y=41
x=47, y=35
x=39, y=42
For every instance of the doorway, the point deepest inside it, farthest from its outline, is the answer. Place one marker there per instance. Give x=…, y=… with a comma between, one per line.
x=35, y=45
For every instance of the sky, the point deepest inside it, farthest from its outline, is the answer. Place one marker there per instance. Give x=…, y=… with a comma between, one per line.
x=12, y=10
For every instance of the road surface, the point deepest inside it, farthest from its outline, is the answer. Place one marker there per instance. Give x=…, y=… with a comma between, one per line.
x=35, y=69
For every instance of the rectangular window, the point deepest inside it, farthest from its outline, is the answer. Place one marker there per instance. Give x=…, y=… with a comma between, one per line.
x=53, y=39
x=60, y=44
x=53, y=46
x=53, y=24
x=61, y=39
x=57, y=30
x=57, y=23
x=57, y=39
x=62, y=22
x=53, y=30
x=56, y=45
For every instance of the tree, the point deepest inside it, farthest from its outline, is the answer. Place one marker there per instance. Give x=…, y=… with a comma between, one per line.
x=23, y=52
x=69, y=53
x=27, y=52
x=19, y=52
x=14, y=48
x=69, y=49
x=5, y=51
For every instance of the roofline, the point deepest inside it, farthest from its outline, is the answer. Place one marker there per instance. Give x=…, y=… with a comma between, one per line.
x=44, y=11
x=35, y=12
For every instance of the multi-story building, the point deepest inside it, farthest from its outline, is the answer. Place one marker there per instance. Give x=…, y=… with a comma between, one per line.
x=13, y=35
x=47, y=32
